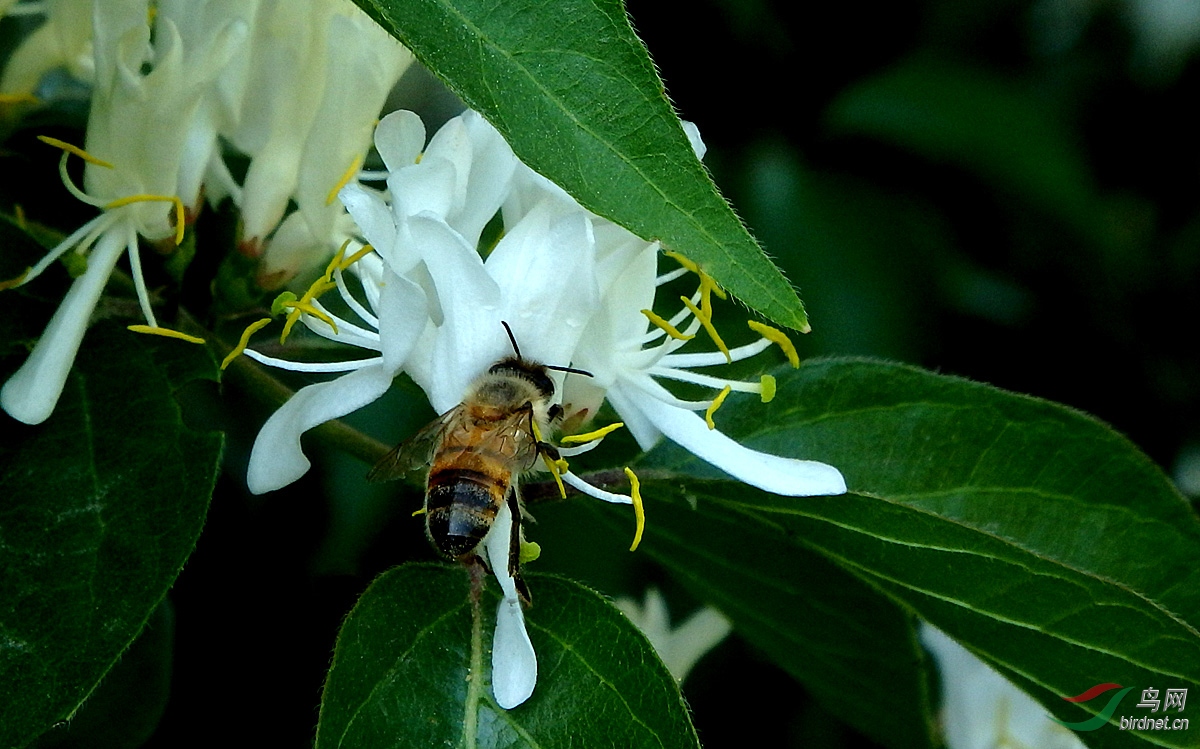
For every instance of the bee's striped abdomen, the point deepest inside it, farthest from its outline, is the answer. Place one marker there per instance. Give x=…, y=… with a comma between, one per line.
x=464, y=493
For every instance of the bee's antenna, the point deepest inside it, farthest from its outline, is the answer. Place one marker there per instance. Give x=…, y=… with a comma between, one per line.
x=512, y=339
x=570, y=370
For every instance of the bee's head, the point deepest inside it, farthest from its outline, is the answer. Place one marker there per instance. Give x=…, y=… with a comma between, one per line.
x=534, y=374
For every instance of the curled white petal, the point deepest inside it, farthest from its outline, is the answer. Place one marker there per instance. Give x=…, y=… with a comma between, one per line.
x=514, y=663
x=778, y=475
x=32, y=392
x=277, y=459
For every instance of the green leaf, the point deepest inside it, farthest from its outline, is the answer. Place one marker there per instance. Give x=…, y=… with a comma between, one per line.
x=1034, y=534
x=575, y=94
x=102, y=504
x=126, y=707
x=412, y=668
x=848, y=644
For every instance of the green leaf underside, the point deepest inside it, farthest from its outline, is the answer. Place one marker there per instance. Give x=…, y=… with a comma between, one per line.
x=577, y=97
x=1034, y=534
x=102, y=505
x=402, y=675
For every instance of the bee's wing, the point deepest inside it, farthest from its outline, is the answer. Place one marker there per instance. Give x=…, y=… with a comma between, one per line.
x=413, y=453
x=513, y=438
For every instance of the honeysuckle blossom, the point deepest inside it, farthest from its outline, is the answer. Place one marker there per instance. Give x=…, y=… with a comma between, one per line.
x=574, y=289
x=390, y=319
x=982, y=710
x=679, y=647
x=139, y=151
x=317, y=84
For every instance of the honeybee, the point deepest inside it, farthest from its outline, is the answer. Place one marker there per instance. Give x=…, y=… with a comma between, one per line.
x=475, y=453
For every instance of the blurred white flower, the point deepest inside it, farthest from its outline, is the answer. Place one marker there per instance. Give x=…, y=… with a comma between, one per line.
x=140, y=147
x=983, y=710
x=679, y=647
x=318, y=80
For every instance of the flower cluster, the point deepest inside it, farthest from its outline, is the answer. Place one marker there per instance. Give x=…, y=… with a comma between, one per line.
x=294, y=86
x=575, y=290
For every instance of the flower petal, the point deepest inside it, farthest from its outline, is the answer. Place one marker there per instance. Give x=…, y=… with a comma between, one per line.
x=277, y=458
x=399, y=138
x=514, y=662
x=32, y=392
x=778, y=475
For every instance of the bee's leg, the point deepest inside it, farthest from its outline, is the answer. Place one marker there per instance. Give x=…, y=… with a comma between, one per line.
x=555, y=413
x=514, y=550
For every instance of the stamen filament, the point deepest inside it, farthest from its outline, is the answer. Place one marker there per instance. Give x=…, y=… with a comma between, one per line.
x=345, y=178
x=76, y=150
x=598, y=434
x=670, y=276
x=777, y=336
x=340, y=366
x=595, y=492
x=684, y=375
x=639, y=513
x=712, y=409
x=79, y=195
x=418, y=512
x=706, y=321
x=165, y=333
x=352, y=303
x=713, y=358
x=139, y=281
x=244, y=341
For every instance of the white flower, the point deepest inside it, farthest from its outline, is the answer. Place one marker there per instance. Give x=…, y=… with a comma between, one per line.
x=679, y=647
x=140, y=146
x=318, y=81
x=388, y=326
x=983, y=710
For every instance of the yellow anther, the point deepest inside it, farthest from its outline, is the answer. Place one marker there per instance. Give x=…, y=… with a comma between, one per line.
x=667, y=327
x=76, y=150
x=601, y=433
x=706, y=321
x=294, y=317
x=683, y=261
x=639, y=512
x=336, y=261
x=19, y=99
x=530, y=551
x=767, y=383
x=708, y=287
x=165, y=333
x=14, y=282
x=345, y=179
x=561, y=465
x=716, y=403
x=556, y=472
x=180, y=216
x=244, y=341
x=366, y=250
x=418, y=512
x=777, y=336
